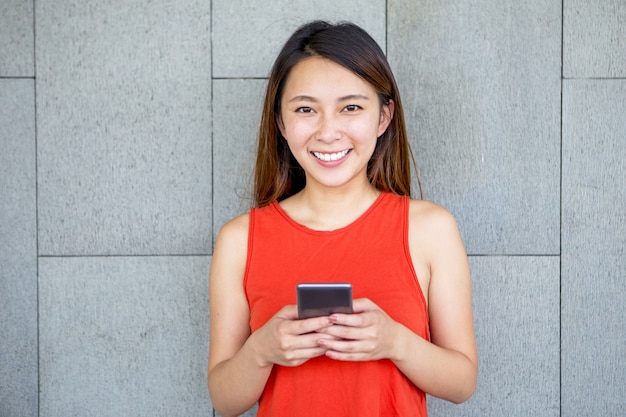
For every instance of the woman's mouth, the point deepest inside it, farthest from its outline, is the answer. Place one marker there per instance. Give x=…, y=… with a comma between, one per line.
x=327, y=157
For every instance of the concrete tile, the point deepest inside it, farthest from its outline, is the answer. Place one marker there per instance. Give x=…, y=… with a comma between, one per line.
x=17, y=34
x=594, y=247
x=594, y=39
x=123, y=113
x=516, y=314
x=247, y=36
x=237, y=106
x=481, y=92
x=18, y=250
x=124, y=336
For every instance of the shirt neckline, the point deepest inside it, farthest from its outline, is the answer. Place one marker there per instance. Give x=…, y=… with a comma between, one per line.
x=276, y=206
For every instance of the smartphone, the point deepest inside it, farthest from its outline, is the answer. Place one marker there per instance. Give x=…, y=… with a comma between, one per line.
x=323, y=299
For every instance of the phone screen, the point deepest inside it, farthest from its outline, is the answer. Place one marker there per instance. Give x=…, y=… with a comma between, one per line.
x=323, y=299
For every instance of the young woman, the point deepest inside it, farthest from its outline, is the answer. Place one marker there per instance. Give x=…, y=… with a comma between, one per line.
x=332, y=191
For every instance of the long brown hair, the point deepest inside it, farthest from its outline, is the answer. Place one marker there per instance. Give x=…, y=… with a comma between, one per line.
x=277, y=173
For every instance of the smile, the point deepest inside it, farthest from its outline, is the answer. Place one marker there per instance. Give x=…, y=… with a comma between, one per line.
x=330, y=156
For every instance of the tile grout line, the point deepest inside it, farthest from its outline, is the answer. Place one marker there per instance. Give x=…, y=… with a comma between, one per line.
x=36, y=207
x=138, y=255
x=387, y=28
x=561, y=214
x=212, y=110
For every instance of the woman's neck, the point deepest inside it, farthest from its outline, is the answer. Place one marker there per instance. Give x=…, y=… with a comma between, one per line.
x=329, y=208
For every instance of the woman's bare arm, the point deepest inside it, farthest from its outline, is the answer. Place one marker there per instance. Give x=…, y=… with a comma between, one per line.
x=235, y=379
x=449, y=367
x=240, y=362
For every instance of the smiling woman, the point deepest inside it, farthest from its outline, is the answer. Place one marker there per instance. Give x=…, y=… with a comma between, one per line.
x=277, y=174
x=332, y=197
x=331, y=118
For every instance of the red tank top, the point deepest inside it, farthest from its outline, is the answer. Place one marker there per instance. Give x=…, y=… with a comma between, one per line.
x=372, y=254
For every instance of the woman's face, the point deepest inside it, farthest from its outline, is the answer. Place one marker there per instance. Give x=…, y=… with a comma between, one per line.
x=331, y=119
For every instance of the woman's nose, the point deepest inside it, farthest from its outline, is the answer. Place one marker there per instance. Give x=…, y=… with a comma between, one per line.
x=328, y=129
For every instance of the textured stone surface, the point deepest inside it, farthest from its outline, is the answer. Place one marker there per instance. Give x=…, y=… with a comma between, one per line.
x=247, y=36
x=516, y=309
x=481, y=91
x=237, y=106
x=18, y=250
x=123, y=117
x=594, y=247
x=16, y=38
x=123, y=336
x=594, y=39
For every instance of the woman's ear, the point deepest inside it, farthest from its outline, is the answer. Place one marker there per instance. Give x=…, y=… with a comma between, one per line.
x=280, y=124
x=386, y=115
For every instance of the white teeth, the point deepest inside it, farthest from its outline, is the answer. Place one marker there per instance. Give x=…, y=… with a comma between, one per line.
x=330, y=156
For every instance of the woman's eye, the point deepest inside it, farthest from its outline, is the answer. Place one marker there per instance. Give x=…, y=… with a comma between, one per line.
x=352, y=107
x=304, y=110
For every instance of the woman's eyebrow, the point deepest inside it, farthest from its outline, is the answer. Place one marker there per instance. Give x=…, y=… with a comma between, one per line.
x=303, y=98
x=353, y=97
x=344, y=98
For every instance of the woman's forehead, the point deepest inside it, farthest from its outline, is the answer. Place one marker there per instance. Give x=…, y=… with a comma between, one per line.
x=315, y=77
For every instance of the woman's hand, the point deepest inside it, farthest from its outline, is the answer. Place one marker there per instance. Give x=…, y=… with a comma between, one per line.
x=368, y=334
x=285, y=340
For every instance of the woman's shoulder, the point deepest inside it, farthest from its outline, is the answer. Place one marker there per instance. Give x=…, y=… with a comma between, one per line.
x=429, y=217
x=433, y=237
x=237, y=223
x=234, y=233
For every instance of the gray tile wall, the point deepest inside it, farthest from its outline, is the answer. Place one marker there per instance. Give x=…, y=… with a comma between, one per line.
x=594, y=39
x=482, y=95
x=593, y=255
x=123, y=336
x=239, y=50
x=17, y=45
x=18, y=249
x=516, y=307
x=128, y=132
x=124, y=128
